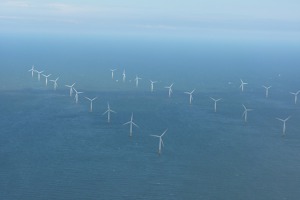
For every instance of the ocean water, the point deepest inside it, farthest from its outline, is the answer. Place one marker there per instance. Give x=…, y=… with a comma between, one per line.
x=53, y=148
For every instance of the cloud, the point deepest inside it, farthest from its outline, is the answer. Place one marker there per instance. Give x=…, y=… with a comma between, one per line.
x=19, y=4
x=119, y=16
x=64, y=8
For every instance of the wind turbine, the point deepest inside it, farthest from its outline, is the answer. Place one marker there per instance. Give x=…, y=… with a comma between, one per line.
x=284, y=121
x=296, y=95
x=71, y=88
x=46, y=76
x=124, y=75
x=267, y=90
x=215, y=100
x=108, y=111
x=131, y=123
x=161, y=143
x=191, y=95
x=55, y=83
x=152, y=85
x=137, y=80
x=32, y=70
x=39, y=74
x=91, y=105
x=112, y=73
x=76, y=95
x=245, y=113
x=242, y=85
x=170, y=89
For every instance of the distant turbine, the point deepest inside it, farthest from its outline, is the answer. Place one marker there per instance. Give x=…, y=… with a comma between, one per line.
x=161, y=143
x=124, y=75
x=191, y=95
x=152, y=85
x=245, y=113
x=32, y=70
x=170, y=89
x=284, y=121
x=137, y=81
x=55, y=83
x=215, y=100
x=112, y=73
x=91, y=105
x=39, y=74
x=76, y=95
x=131, y=123
x=296, y=95
x=108, y=111
x=267, y=90
x=242, y=85
x=46, y=76
x=71, y=88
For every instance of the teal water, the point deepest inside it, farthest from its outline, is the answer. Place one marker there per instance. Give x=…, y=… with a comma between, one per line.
x=52, y=148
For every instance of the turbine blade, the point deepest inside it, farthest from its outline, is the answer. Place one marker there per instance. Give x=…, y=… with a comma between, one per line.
x=280, y=119
x=127, y=123
x=164, y=132
x=155, y=136
x=244, y=113
x=105, y=112
x=135, y=124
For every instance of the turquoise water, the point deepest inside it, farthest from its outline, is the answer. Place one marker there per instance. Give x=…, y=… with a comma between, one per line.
x=52, y=148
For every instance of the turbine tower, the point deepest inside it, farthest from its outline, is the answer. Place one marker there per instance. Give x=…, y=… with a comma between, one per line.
x=131, y=123
x=170, y=89
x=245, y=113
x=108, y=111
x=160, y=143
x=191, y=95
x=284, y=126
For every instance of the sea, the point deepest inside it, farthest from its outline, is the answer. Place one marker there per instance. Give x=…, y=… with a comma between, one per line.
x=53, y=148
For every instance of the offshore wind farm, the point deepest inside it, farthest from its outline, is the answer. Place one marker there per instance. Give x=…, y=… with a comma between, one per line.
x=94, y=111
x=46, y=131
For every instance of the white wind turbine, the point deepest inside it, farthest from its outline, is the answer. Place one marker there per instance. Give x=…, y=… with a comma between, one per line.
x=112, y=73
x=71, y=88
x=32, y=70
x=267, y=90
x=124, y=75
x=39, y=74
x=108, y=111
x=91, y=104
x=245, y=113
x=170, y=89
x=152, y=85
x=215, y=103
x=131, y=123
x=284, y=121
x=296, y=95
x=242, y=85
x=46, y=76
x=76, y=95
x=161, y=143
x=137, y=80
x=55, y=85
x=191, y=95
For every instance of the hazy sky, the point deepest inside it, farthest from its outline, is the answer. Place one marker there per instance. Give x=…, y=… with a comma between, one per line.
x=157, y=16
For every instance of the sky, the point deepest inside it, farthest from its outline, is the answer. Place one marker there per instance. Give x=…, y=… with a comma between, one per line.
x=190, y=17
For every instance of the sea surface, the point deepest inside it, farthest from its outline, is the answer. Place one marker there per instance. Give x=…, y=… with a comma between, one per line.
x=53, y=148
